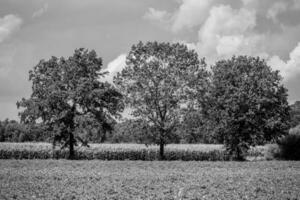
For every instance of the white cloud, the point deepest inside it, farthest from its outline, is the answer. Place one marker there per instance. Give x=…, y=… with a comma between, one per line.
x=41, y=11
x=228, y=45
x=290, y=68
x=115, y=66
x=190, y=14
x=275, y=10
x=8, y=25
x=161, y=16
x=227, y=31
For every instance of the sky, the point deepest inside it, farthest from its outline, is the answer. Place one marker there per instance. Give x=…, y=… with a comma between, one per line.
x=31, y=30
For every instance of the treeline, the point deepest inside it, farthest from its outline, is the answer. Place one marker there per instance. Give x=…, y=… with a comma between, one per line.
x=174, y=97
x=13, y=131
x=127, y=131
x=189, y=131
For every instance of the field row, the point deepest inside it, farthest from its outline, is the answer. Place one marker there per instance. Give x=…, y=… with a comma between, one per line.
x=197, y=152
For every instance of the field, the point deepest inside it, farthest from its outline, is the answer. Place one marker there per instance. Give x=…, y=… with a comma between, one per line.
x=63, y=179
x=198, y=152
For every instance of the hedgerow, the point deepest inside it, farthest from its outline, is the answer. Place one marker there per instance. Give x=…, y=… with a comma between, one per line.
x=112, y=152
x=196, y=152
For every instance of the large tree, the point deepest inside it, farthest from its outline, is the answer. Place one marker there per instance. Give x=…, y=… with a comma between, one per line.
x=67, y=94
x=159, y=79
x=248, y=104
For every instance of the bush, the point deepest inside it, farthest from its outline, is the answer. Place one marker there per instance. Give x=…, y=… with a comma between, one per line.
x=272, y=152
x=115, y=152
x=290, y=146
x=295, y=130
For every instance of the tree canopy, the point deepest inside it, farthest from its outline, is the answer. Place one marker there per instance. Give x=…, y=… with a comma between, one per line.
x=248, y=103
x=159, y=79
x=67, y=95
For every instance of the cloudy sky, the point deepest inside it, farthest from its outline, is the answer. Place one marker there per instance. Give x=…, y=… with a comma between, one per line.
x=31, y=30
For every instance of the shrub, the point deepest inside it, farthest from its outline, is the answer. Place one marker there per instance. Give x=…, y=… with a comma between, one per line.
x=112, y=152
x=290, y=146
x=272, y=152
x=295, y=130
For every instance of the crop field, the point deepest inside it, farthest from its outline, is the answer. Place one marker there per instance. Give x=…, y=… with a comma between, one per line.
x=63, y=179
x=209, y=152
x=118, y=146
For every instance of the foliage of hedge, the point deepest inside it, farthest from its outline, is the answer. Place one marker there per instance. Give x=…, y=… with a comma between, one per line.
x=116, y=152
x=287, y=148
x=290, y=147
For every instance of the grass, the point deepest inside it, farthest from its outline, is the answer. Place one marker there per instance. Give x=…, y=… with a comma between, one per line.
x=127, y=180
x=196, y=152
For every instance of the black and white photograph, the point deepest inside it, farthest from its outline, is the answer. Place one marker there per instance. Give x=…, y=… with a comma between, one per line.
x=149, y=99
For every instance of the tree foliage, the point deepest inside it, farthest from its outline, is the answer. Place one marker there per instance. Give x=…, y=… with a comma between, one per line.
x=157, y=81
x=248, y=103
x=194, y=128
x=295, y=114
x=67, y=96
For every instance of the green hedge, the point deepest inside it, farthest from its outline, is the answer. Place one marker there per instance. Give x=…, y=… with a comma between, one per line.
x=42, y=151
x=289, y=147
x=215, y=155
x=186, y=152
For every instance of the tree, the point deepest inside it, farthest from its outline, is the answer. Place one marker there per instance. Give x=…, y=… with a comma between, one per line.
x=67, y=94
x=15, y=132
x=295, y=114
x=157, y=81
x=193, y=128
x=248, y=104
x=131, y=131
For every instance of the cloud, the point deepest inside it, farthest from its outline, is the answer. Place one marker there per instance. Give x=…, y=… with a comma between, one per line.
x=161, y=16
x=190, y=14
x=115, y=66
x=8, y=25
x=275, y=10
x=289, y=69
x=41, y=11
x=226, y=32
x=222, y=30
x=268, y=29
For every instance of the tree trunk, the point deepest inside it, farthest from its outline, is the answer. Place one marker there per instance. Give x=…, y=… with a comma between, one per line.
x=239, y=154
x=162, y=146
x=162, y=151
x=71, y=146
x=103, y=137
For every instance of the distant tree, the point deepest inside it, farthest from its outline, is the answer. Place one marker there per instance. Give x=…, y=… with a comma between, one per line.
x=137, y=131
x=130, y=131
x=67, y=93
x=15, y=132
x=248, y=104
x=93, y=131
x=295, y=114
x=193, y=128
x=38, y=132
x=157, y=81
